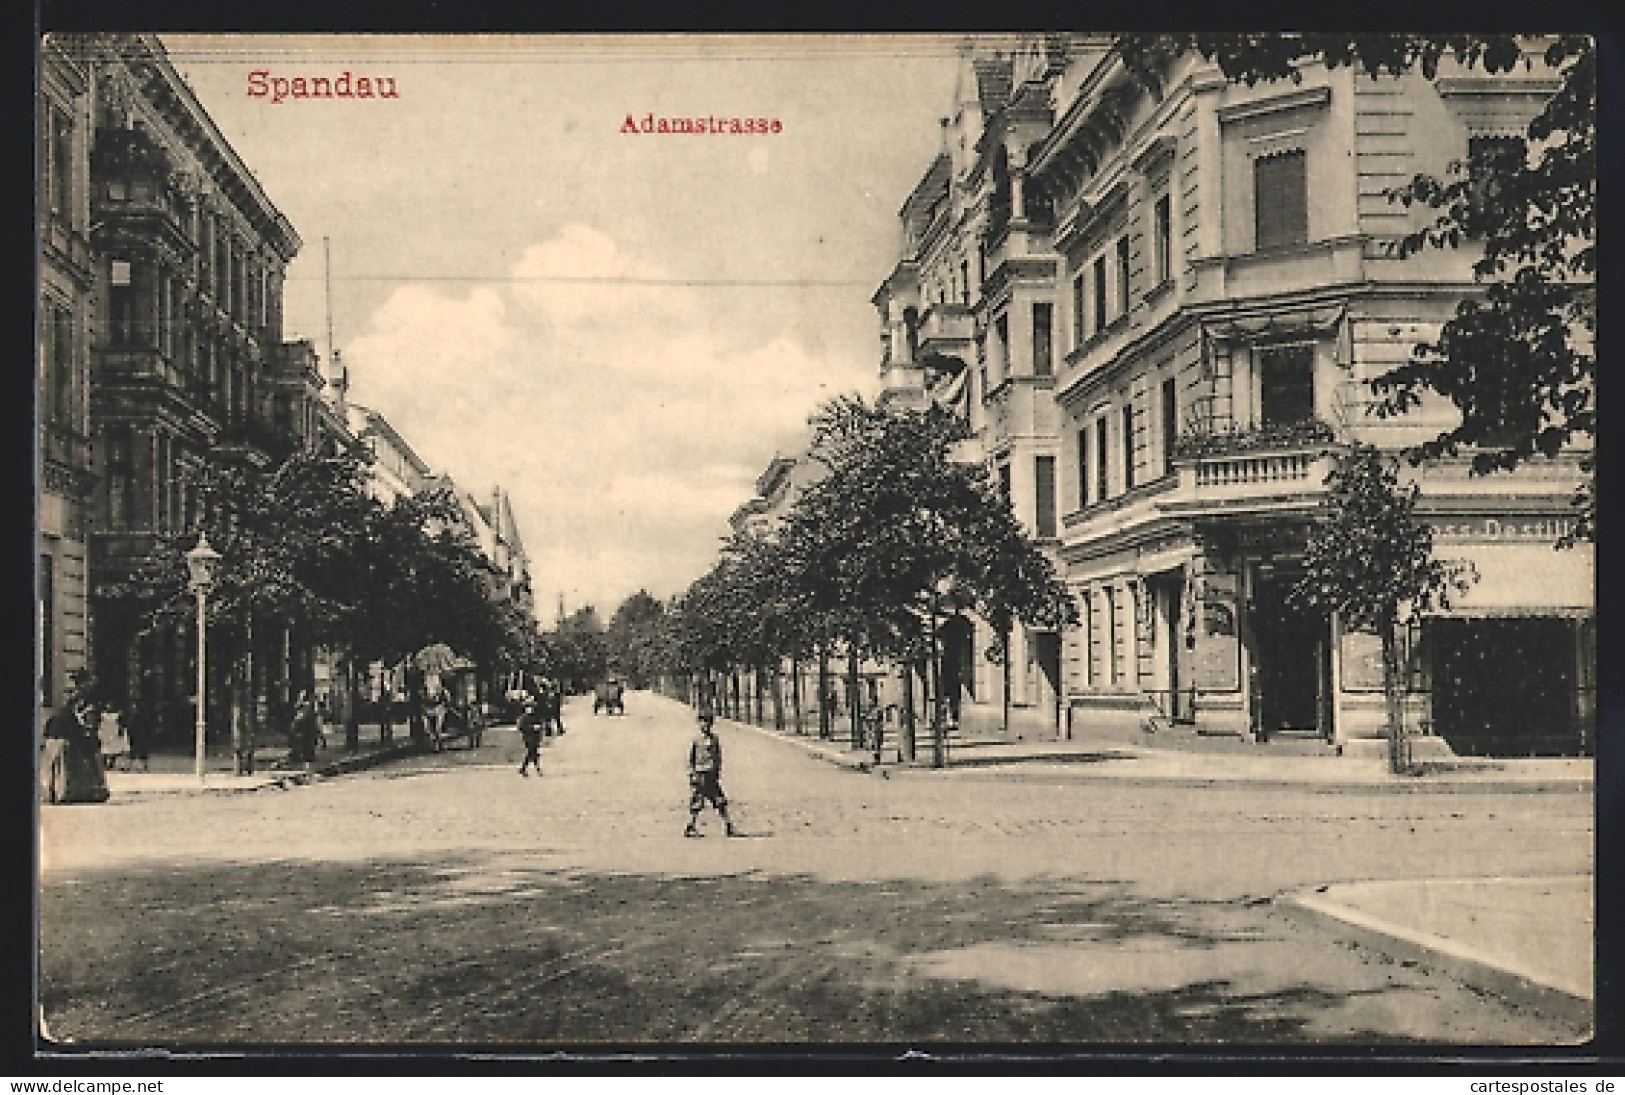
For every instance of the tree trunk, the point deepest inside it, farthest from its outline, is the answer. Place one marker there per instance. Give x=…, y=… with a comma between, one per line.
x=242, y=721
x=854, y=696
x=909, y=744
x=938, y=745
x=825, y=714
x=795, y=693
x=778, y=697
x=1399, y=758
x=352, y=710
x=1004, y=650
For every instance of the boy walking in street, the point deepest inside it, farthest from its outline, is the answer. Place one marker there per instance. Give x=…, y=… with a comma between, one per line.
x=530, y=731
x=705, y=777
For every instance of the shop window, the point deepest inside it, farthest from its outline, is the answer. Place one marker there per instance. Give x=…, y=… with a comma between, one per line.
x=1043, y=339
x=1286, y=379
x=1281, y=200
x=1044, y=477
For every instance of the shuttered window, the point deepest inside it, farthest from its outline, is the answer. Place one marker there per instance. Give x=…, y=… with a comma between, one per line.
x=1281, y=200
x=1044, y=475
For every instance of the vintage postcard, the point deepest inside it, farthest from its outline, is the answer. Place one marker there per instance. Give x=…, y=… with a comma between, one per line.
x=1051, y=540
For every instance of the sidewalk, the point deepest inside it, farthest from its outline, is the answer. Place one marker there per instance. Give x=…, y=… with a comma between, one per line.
x=1091, y=759
x=1529, y=938
x=175, y=773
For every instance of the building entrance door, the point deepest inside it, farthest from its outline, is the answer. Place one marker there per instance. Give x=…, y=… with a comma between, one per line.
x=1291, y=661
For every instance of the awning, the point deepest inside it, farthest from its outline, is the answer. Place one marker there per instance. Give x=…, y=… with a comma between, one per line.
x=1524, y=580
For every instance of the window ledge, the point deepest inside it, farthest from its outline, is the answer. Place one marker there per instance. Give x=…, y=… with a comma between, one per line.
x=1159, y=290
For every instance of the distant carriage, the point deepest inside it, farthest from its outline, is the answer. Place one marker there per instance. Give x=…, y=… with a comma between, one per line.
x=609, y=697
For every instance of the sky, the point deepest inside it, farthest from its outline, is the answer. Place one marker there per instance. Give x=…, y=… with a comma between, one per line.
x=619, y=329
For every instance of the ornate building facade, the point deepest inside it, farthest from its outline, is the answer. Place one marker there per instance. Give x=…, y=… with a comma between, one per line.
x=1159, y=307
x=63, y=478
x=186, y=350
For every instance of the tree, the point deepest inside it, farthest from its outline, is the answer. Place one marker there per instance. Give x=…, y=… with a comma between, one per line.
x=899, y=535
x=1369, y=558
x=1518, y=359
x=580, y=654
x=632, y=635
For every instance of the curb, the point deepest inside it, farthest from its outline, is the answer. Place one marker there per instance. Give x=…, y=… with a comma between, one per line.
x=285, y=780
x=1020, y=770
x=1456, y=960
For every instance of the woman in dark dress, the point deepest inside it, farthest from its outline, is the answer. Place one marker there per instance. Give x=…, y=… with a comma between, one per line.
x=71, y=766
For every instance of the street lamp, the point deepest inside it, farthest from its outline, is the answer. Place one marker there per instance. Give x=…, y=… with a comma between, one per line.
x=203, y=563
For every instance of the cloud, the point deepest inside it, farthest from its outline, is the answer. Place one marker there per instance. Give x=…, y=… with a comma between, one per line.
x=626, y=412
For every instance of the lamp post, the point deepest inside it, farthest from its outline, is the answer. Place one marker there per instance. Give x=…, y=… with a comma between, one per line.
x=203, y=563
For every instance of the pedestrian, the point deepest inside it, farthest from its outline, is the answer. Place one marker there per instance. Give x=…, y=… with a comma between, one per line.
x=113, y=741
x=71, y=768
x=303, y=731
x=138, y=727
x=530, y=731
x=705, y=777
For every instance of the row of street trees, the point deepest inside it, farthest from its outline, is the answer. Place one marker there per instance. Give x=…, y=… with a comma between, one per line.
x=311, y=559
x=894, y=539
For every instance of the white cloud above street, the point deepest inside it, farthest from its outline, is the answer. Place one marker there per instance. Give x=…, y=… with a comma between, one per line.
x=619, y=330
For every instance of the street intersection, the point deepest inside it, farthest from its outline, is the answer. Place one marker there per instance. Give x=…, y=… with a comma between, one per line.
x=445, y=900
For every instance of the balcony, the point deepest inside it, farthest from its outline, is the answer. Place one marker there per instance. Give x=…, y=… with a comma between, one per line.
x=1270, y=467
x=947, y=329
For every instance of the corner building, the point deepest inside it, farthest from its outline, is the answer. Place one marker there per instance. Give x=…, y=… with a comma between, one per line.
x=1158, y=305
x=1227, y=289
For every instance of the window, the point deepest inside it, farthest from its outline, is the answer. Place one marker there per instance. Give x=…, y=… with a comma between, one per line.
x=1085, y=639
x=1280, y=201
x=911, y=333
x=61, y=164
x=1286, y=385
x=1162, y=238
x=1001, y=345
x=122, y=322
x=47, y=623
x=1170, y=422
x=1489, y=161
x=1043, y=340
x=964, y=281
x=118, y=478
x=1128, y=445
x=1100, y=294
x=1122, y=276
x=1077, y=310
x=1102, y=483
x=1004, y=483
x=1083, y=467
x=1044, y=475
x=1110, y=652
x=58, y=359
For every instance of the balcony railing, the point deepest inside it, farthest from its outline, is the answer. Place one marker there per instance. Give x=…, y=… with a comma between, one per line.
x=1262, y=468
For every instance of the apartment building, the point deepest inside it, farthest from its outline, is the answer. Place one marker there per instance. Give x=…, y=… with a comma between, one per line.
x=63, y=477
x=1225, y=289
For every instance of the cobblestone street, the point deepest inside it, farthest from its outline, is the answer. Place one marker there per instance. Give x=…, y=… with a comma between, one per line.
x=445, y=899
